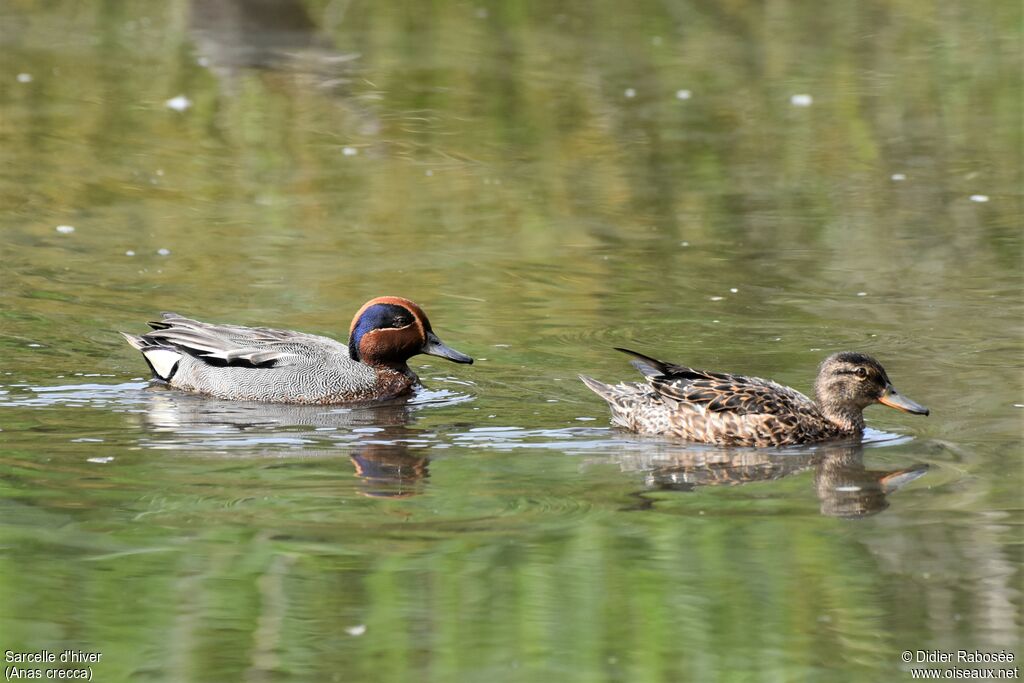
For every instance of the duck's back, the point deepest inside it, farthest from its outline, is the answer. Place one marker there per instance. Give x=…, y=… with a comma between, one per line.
x=738, y=410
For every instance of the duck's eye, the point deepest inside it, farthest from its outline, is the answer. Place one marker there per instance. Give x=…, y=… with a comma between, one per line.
x=861, y=372
x=401, y=321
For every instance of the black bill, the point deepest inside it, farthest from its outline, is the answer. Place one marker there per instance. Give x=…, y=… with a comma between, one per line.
x=436, y=347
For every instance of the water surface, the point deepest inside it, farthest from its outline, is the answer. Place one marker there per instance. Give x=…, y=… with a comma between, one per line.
x=742, y=186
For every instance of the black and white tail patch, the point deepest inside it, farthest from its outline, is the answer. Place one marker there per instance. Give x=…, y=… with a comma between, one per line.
x=162, y=361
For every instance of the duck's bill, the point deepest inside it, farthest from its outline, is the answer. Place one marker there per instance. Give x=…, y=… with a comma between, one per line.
x=436, y=347
x=893, y=399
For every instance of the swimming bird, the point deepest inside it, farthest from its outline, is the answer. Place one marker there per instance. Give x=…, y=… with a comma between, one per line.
x=732, y=410
x=282, y=366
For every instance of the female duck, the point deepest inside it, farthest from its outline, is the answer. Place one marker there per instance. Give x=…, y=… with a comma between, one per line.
x=732, y=410
x=281, y=366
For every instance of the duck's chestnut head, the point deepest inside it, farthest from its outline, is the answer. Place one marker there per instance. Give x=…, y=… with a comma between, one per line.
x=389, y=330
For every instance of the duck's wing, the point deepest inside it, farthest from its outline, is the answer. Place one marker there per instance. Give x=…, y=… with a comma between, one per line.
x=236, y=334
x=256, y=347
x=719, y=391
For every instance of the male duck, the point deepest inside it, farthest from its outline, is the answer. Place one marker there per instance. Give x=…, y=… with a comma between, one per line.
x=732, y=410
x=281, y=366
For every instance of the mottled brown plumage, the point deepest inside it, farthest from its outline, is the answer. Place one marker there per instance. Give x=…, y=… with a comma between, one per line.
x=733, y=410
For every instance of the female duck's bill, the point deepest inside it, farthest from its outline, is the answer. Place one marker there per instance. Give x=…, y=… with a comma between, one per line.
x=892, y=398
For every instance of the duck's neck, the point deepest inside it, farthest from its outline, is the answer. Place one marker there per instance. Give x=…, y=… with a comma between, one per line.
x=399, y=366
x=847, y=418
x=403, y=371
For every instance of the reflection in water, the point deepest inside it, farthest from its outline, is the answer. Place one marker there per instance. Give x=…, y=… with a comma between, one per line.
x=844, y=486
x=389, y=470
x=847, y=489
x=383, y=461
x=259, y=34
x=233, y=36
x=168, y=410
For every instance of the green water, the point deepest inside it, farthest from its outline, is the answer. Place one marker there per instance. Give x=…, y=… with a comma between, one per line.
x=548, y=181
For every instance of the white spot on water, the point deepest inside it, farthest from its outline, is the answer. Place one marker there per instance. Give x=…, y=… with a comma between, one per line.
x=801, y=100
x=630, y=92
x=684, y=244
x=586, y=419
x=980, y=198
x=715, y=321
x=683, y=94
x=717, y=298
x=129, y=253
x=898, y=176
x=203, y=62
x=65, y=229
x=102, y=461
x=1018, y=405
x=552, y=400
x=428, y=173
x=862, y=293
x=163, y=251
x=349, y=151
x=36, y=346
x=179, y=103
x=733, y=290
x=159, y=172
x=24, y=78
x=367, y=430
x=357, y=630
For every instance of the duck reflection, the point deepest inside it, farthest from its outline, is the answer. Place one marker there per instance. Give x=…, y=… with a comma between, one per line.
x=844, y=486
x=259, y=34
x=391, y=470
x=281, y=41
x=389, y=458
x=168, y=410
x=847, y=489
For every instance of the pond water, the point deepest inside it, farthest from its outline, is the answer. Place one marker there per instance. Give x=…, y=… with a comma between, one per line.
x=741, y=186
